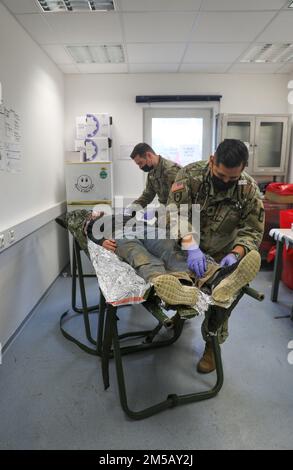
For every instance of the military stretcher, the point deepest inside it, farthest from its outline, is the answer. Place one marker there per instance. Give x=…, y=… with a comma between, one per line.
x=106, y=343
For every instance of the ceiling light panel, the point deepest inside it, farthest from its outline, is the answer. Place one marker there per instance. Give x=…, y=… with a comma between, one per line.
x=269, y=53
x=102, y=54
x=55, y=6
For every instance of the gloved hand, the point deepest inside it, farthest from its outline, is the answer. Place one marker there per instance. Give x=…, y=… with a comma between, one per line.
x=197, y=262
x=149, y=214
x=228, y=260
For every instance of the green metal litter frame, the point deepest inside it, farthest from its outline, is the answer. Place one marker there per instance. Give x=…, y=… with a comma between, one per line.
x=107, y=344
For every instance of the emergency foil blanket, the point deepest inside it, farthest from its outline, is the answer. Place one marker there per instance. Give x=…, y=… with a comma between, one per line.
x=118, y=280
x=121, y=285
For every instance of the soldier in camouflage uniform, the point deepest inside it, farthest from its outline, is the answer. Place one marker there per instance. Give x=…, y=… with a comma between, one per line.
x=231, y=226
x=231, y=218
x=161, y=174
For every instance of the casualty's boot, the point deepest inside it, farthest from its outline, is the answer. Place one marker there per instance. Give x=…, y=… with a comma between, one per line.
x=171, y=291
x=245, y=271
x=207, y=362
x=184, y=278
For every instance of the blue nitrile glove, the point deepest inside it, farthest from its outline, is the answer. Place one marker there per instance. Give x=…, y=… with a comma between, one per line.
x=197, y=262
x=228, y=260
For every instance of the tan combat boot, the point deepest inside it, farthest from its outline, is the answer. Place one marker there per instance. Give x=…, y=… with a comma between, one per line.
x=207, y=362
x=170, y=289
x=245, y=272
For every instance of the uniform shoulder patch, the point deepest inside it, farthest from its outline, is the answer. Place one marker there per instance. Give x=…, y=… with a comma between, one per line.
x=261, y=215
x=177, y=187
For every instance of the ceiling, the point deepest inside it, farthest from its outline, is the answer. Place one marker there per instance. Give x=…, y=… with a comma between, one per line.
x=204, y=36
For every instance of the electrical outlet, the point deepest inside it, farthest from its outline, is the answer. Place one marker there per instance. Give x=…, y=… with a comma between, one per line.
x=2, y=241
x=11, y=236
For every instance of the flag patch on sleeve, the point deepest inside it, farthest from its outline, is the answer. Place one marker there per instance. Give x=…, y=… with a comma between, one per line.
x=177, y=187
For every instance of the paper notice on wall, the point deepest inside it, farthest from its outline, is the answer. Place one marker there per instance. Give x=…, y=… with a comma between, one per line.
x=2, y=146
x=12, y=126
x=13, y=157
x=2, y=123
x=2, y=157
x=80, y=126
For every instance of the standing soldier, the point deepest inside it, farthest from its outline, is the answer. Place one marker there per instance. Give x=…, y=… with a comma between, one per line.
x=231, y=221
x=161, y=174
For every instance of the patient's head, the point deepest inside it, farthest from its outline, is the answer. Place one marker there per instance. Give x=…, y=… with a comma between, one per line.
x=96, y=214
x=92, y=215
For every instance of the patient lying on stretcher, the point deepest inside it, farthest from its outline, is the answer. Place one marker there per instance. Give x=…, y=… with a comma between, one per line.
x=161, y=261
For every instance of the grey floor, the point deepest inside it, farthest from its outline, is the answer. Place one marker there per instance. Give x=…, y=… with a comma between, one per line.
x=52, y=396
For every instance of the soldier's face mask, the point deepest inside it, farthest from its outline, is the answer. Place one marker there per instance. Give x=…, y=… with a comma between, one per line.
x=224, y=178
x=143, y=163
x=146, y=168
x=221, y=185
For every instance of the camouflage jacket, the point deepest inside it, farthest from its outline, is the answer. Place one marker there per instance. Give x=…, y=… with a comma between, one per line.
x=75, y=223
x=159, y=182
x=227, y=218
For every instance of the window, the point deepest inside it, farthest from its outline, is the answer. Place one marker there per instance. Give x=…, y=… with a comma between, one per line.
x=181, y=135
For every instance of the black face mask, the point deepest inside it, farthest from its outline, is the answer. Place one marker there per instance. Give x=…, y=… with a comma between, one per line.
x=220, y=185
x=147, y=168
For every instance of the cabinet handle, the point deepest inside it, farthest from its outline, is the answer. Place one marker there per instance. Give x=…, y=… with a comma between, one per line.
x=255, y=145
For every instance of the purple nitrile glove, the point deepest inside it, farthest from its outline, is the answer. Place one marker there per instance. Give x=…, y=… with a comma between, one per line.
x=149, y=214
x=228, y=260
x=197, y=262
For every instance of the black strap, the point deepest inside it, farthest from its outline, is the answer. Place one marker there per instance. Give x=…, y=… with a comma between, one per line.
x=82, y=346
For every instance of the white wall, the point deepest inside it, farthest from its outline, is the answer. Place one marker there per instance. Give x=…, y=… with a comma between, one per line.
x=34, y=87
x=116, y=94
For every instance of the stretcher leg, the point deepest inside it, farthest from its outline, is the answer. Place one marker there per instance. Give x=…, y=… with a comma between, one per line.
x=172, y=399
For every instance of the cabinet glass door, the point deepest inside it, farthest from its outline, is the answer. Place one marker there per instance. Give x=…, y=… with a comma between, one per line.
x=270, y=144
x=239, y=130
x=241, y=127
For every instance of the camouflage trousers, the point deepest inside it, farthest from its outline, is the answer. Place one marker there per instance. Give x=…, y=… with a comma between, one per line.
x=154, y=257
